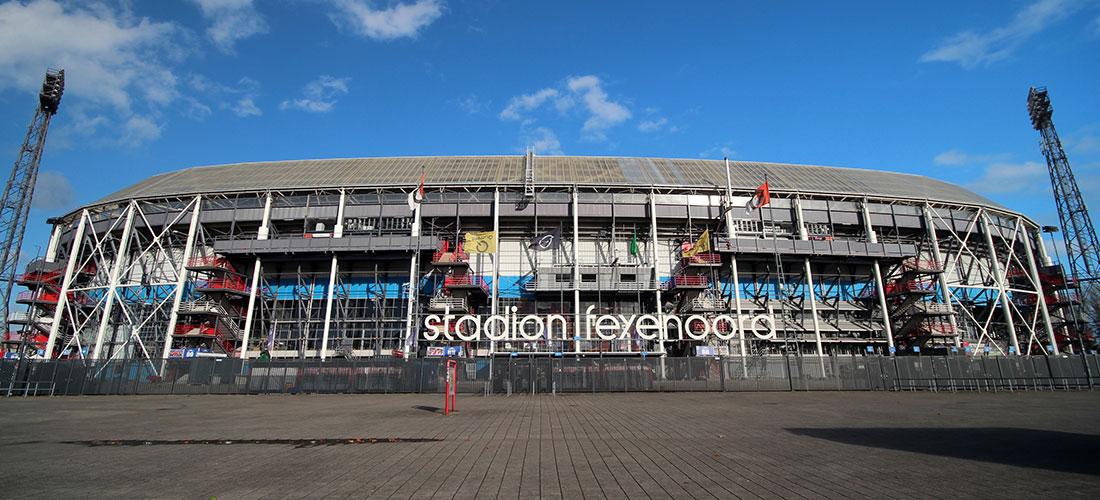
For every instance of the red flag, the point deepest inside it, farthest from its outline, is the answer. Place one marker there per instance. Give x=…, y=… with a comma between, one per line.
x=760, y=198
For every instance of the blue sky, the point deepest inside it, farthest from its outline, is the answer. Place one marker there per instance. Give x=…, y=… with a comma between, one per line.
x=935, y=88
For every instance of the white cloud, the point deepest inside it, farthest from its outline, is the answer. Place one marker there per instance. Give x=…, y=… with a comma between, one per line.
x=1006, y=178
x=601, y=112
x=1086, y=140
x=956, y=158
x=118, y=66
x=970, y=49
x=109, y=57
x=239, y=99
x=400, y=20
x=526, y=102
x=232, y=20
x=52, y=191
x=319, y=96
x=139, y=130
x=543, y=141
x=652, y=125
x=471, y=104
x=604, y=113
x=245, y=108
x=724, y=150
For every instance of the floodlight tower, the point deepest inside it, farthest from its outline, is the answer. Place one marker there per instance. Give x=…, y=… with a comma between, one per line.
x=16, y=203
x=1082, y=248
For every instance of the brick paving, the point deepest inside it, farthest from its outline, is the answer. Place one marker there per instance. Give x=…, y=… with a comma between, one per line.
x=669, y=445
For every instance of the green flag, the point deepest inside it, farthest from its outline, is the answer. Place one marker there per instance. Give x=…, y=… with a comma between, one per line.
x=634, y=243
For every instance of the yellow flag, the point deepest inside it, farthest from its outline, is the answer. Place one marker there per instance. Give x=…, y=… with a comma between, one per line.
x=702, y=245
x=481, y=242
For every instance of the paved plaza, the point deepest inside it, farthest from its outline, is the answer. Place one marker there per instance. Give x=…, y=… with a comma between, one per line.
x=679, y=445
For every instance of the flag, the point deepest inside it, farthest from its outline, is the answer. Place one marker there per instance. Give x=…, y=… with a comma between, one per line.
x=550, y=240
x=417, y=195
x=702, y=245
x=634, y=243
x=481, y=242
x=760, y=198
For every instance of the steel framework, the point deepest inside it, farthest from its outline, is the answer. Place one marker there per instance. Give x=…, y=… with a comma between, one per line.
x=19, y=190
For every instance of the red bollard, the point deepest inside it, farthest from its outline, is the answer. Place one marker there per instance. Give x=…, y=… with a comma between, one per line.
x=450, y=387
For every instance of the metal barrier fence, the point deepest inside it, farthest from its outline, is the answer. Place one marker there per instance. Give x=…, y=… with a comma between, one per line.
x=550, y=375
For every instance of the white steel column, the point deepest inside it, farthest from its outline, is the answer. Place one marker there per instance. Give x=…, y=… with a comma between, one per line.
x=328, y=306
x=265, y=229
x=66, y=281
x=886, y=325
x=999, y=276
x=804, y=236
x=813, y=311
x=410, y=341
x=1040, y=297
x=731, y=233
x=1041, y=245
x=945, y=292
x=653, y=262
x=576, y=274
x=51, y=249
x=112, y=286
x=337, y=232
x=173, y=317
x=254, y=286
x=496, y=253
x=880, y=290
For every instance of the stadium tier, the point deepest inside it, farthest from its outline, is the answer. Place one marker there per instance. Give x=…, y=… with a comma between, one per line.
x=541, y=256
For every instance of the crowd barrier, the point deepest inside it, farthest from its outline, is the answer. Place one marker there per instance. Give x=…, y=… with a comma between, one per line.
x=550, y=375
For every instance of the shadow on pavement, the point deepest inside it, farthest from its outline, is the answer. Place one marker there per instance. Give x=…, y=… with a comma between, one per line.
x=433, y=409
x=1054, y=450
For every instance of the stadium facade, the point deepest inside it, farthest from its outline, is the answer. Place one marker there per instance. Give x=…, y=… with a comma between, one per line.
x=345, y=258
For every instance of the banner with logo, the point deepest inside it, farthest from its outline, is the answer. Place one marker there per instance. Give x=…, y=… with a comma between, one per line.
x=481, y=242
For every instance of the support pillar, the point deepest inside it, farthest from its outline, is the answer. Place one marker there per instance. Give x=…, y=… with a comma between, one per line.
x=181, y=281
x=945, y=292
x=887, y=326
x=1040, y=297
x=66, y=281
x=112, y=286
x=999, y=276
x=337, y=232
x=653, y=262
x=813, y=311
x=880, y=290
x=496, y=264
x=576, y=275
x=51, y=248
x=328, y=307
x=411, y=329
x=262, y=234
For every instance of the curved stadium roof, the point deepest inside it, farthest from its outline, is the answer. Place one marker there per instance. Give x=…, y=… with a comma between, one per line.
x=554, y=170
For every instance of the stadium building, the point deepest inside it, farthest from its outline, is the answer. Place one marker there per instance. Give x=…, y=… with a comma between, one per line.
x=348, y=257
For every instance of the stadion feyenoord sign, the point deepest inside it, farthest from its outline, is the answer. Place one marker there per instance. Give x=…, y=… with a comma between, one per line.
x=662, y=327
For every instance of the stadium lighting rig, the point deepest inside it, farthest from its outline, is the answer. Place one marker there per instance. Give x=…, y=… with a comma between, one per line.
x=1078, y=233
x=19, y=190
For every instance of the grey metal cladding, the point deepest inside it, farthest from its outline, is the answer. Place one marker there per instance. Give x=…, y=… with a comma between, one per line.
x=555, y=170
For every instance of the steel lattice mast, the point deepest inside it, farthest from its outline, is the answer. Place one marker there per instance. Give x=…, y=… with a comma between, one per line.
x=16, y=203
x=1082, y=248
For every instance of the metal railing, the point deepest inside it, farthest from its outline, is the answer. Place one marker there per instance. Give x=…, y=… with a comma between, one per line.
x=550, y=374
